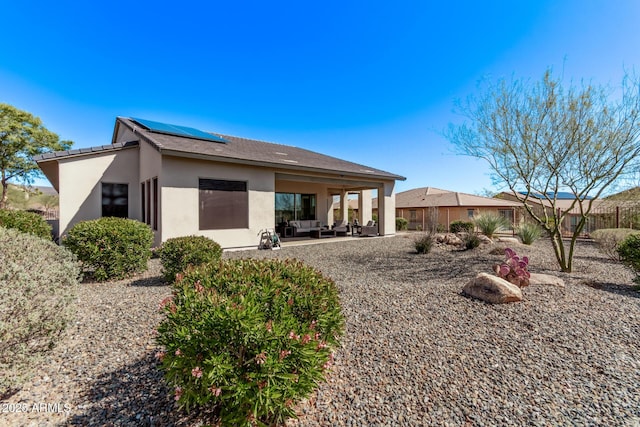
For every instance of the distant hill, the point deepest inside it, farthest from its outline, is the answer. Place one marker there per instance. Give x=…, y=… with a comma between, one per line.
x=630, y=194
x=41, y=198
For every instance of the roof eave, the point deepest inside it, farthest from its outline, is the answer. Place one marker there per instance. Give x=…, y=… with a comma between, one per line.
x=234, y=160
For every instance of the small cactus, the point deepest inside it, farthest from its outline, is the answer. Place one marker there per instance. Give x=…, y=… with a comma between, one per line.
x=514, y=269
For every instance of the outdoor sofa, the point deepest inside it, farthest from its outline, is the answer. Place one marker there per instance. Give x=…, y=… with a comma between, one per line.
x=305, y=226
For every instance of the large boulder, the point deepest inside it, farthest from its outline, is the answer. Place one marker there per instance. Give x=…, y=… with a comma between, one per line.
x=492, y=289
x=546, y=279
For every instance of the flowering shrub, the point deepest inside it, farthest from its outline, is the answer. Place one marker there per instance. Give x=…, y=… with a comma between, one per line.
x=25, y=222
x=112, y=247
x=38, y=281
x=178, y=253
x=249, y=337
x=514, y=269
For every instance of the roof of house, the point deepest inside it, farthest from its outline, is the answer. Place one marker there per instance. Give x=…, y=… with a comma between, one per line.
x=425, y=197
x=230, y=149
x=560, y=195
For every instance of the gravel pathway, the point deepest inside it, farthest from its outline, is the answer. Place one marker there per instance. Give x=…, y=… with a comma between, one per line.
x=415, y=352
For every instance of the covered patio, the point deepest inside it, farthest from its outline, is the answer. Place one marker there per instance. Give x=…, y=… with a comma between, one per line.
x=304, y=205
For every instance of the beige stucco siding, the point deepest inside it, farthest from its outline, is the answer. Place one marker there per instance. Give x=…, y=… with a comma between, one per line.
x=150, y=166
x=179, y=194
x=80, y=184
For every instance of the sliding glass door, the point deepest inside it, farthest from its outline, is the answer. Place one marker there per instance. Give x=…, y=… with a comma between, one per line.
x=295, y=206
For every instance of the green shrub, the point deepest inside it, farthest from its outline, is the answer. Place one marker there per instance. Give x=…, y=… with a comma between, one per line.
x=461, y=227
x=490, y=224
x=112, y=247
x=38, y=281
x=179, y=252
x=608, y=240
x=249, y=337
x=629, y=252
x=424, y=243
x=25, y=222
x=529, y=233
x=471, y=241
x=401, y=224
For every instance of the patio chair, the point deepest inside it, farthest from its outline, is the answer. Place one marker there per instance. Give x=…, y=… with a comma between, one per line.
x=371, y=229
x=341, y=229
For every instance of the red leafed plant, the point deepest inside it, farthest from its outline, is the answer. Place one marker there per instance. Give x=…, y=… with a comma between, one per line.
x=514, y=269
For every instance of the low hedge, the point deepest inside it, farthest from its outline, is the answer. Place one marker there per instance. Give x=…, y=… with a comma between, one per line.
x=25, y=222
x=38, y=281
x=112, y=248
x=178, y=253
x=461, y=227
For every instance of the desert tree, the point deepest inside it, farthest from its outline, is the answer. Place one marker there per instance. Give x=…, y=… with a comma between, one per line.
x=22, y=136
x=543, y=137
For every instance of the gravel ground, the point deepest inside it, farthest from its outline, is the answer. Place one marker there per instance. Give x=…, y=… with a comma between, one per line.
x=415, y=352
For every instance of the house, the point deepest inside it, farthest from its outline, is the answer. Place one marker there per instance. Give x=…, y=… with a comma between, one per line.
x=182, y=181
x=429, y=208
x=564, y=202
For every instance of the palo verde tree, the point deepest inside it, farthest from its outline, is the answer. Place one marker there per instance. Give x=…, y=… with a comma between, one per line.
x=22, y=136
x=541, y=137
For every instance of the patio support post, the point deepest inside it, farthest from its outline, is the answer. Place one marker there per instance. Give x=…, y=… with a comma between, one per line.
x=365, y=206
x=386, y=208
x=330, y=220
x=344, y=205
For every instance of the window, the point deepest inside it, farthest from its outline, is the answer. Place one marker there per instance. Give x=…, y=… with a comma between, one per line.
x=291, y=206
x=155, y=203
x=142, y=201
x=507, y=214
x=147, y=219
x=413, y=215
x=470, y=213
x=223, y=204
x=115, y=200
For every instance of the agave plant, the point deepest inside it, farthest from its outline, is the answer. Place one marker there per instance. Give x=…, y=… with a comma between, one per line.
x=514, y=269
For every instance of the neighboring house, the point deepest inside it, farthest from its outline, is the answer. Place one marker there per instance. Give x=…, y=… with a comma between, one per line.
x=564, y=202
x=429, y=208
x=182, y=181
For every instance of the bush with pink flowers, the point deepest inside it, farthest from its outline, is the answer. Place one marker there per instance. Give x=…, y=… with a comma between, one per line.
x=250, y=338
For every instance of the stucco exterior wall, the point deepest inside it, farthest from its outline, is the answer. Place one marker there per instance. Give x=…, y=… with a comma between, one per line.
x=150, y=166
x=81, y=189
x=179, y=194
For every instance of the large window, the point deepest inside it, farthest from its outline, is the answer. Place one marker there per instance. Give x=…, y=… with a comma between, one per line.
x=223, y=204
x=292, y=206
x=115, y=199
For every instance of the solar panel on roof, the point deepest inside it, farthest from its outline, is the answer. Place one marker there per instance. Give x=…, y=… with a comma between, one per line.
x=177, y=130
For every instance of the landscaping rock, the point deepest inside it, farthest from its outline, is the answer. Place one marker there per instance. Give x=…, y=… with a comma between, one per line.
x=545, y=279
x=492, y=289
x=484, y=239
x=510, y=240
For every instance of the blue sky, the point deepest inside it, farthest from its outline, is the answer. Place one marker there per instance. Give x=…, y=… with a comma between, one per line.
x=368, y=81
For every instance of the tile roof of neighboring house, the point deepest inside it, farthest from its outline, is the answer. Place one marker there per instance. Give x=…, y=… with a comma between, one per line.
x=564, y=200
x=434, y=197
x=236, y=150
